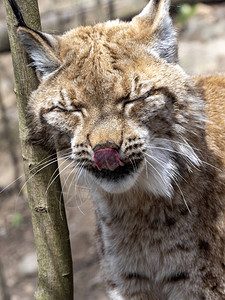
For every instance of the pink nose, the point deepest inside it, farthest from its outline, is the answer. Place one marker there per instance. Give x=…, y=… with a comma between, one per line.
x=107, y=159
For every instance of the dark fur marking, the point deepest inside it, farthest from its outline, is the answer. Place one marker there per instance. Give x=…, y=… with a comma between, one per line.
x=183, y=210
x=45, y=123
x=108, y=144
x=136, y=276
x=202, y=297
x=178, y=276
x=202, y=269
x=170, y=221
x=214, y=287
x=182, y=247
x=111, y=284
x=134, y=146
x=154, y=225
x=82, y=152
x=203, y=245
x=42, y=112
x=211, y=280
x=98, y=234
x=166, y=92
x=43, y=37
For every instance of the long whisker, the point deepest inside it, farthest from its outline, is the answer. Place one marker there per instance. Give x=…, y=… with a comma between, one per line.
x=187, y=157
x=87, y=182
x=132, y=164
x=68, y=176
x=73, y=173
x=146, y=167
x=178, y=152
x=179, y=143
x=41, y=163
x=45, y=166
x=162, y=163
x=58, y=174
x=74, y=176
x=60, y=202
x=163, y=180
x=78, y=176
x=11, y=183
x=185, y=202
x=135, y=165
x=176, y=185
x=212, y=166
x=52, y=179
x=62, y=191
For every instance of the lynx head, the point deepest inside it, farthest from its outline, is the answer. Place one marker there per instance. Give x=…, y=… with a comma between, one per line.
x=115, y=96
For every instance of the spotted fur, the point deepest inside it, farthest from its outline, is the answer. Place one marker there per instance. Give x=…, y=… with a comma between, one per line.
x=118, y=85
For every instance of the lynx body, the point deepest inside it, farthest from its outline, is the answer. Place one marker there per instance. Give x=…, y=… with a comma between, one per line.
x=150, y=141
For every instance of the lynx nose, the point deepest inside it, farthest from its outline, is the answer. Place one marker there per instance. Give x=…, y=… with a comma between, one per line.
x=106, y=156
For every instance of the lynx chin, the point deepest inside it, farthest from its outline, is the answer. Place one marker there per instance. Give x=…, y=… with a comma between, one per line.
x=150, y=142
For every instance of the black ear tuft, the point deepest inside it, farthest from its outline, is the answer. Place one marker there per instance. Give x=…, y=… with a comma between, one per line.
x=41, y=47
x=17, y=13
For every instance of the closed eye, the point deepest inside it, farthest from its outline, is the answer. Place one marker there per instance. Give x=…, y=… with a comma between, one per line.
x=63, y=109
x=146, y=95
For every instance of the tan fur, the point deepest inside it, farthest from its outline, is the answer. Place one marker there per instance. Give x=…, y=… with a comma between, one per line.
x=213, y=90
x=160, y=217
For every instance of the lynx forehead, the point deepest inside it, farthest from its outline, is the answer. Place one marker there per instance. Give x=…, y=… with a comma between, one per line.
x=117, y=86
x=150, y=143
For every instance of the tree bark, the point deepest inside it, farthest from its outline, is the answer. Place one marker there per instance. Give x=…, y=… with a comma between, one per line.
x=10, y=140
x=55, y=277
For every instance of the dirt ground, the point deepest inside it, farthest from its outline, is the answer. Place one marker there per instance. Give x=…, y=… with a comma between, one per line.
x=201, y=51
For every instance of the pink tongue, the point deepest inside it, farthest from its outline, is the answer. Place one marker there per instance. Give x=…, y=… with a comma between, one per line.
x=107, y=159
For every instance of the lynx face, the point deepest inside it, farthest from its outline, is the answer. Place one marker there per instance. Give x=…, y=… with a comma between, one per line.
x=114, y=95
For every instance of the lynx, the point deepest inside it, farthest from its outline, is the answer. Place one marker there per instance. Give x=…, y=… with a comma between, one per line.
x=151, y=143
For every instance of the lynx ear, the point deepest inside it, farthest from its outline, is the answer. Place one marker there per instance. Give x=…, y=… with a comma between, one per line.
x=156, y=29
x=41, y=47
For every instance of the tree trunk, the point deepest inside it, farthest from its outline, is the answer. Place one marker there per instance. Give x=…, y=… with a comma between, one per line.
x=10, y=140
x=55, y=278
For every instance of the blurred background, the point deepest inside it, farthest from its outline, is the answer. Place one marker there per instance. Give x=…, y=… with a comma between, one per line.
x=201, y=31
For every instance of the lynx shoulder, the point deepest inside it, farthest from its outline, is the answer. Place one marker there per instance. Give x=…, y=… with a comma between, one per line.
x=212, y=89
x=149, y=140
